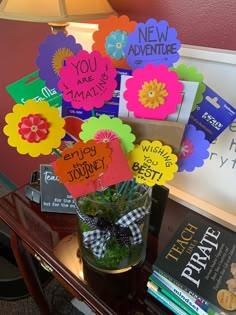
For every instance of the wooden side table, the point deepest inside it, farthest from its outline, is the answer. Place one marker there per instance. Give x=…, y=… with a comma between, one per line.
x=52, y=238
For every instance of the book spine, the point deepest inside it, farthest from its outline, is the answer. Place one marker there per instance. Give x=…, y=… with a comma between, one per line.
x=202, y=303
x=167, y=303
x=204, y=307
x=184, y=298
x=171, y=297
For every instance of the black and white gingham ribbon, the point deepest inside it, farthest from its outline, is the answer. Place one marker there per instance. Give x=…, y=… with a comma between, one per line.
x=97, y=239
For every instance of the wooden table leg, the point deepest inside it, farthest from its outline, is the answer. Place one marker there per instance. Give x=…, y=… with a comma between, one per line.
x=27, y=269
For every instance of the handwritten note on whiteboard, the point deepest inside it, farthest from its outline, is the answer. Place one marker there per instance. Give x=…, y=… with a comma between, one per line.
x=215, y=181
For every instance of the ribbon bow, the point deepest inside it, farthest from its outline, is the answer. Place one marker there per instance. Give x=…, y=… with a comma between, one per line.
x=126, y=228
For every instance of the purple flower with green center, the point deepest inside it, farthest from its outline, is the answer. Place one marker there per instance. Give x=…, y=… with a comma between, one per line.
x=193, y=150
x=52, y=55
x=115, y=44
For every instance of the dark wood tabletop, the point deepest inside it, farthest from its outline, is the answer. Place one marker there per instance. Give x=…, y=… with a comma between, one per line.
x=54, y=238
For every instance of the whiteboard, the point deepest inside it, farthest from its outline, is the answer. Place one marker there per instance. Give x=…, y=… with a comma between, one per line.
x=211, y=189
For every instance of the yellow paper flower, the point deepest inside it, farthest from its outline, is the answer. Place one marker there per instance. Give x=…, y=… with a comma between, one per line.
x=34, y=128
x=152, y=163
x=152, y=94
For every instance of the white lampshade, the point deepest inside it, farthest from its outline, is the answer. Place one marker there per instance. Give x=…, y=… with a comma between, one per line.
x=55, y=10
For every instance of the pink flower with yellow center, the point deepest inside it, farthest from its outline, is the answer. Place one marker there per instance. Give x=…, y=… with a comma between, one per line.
x=153, y=92
x=33, y=128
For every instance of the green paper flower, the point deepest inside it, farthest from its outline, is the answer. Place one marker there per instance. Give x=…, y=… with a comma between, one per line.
x=106, y=129
x=186, y=73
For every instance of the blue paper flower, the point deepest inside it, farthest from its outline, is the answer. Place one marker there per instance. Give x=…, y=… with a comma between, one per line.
x=52, y=55
x=115, y=44
x=193, y=149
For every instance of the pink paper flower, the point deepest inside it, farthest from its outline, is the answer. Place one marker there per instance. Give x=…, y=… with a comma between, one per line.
x=186, y=149
x=87, y=80
x=105, y=135
x=33, y=128
x=153, y=92
x=194, y=149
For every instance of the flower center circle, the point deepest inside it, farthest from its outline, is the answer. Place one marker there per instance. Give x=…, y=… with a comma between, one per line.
x=34, y=128
x=118, y=45
x=59, y=57
x=152, y=94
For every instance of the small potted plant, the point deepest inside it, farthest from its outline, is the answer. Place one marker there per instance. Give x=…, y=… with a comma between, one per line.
x=113, y=226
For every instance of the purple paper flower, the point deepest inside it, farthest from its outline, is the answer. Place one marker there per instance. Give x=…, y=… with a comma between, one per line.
x=52, y=55
x=193, y=150
x=152, y=42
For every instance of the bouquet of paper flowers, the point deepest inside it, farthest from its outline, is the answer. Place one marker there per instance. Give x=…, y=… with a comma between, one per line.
x=110, y=100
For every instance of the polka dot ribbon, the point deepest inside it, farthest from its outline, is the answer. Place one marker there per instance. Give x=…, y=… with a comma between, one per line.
x=126, y=230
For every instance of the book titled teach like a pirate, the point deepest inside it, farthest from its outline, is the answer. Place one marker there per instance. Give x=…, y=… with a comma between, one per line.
x=201, y=260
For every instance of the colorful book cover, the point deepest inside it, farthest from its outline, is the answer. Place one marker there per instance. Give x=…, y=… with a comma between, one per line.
x=201, y=260
x=172, y=297
x=200, y=307
x=168, y=303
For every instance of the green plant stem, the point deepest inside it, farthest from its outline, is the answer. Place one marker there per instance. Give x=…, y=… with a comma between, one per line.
x=56, y=152
x=131, y=193
x=93, y=112
x=122, y=188
x=109, y=193
x=100, y=195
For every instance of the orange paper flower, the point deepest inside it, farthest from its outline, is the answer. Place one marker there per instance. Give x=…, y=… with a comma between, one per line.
x=83, y=163
x=110, y=39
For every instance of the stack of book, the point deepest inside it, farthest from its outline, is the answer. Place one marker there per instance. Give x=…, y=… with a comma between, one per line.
x=196, y=273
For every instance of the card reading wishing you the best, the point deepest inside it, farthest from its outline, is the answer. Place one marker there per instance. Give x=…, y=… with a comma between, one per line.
x=152, y=163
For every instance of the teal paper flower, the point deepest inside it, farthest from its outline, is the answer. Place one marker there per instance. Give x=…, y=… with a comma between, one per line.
x=115, y=44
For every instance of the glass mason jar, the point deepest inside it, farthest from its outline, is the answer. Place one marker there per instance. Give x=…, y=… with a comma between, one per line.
x=113, y=226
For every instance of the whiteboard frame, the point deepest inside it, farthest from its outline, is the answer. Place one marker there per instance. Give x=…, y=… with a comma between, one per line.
x=228, y=58
x=83, y=34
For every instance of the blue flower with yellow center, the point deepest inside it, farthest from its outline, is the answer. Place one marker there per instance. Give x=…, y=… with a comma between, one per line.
x=115, y=44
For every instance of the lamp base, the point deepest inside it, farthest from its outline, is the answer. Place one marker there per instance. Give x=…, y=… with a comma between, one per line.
x=58, y=27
